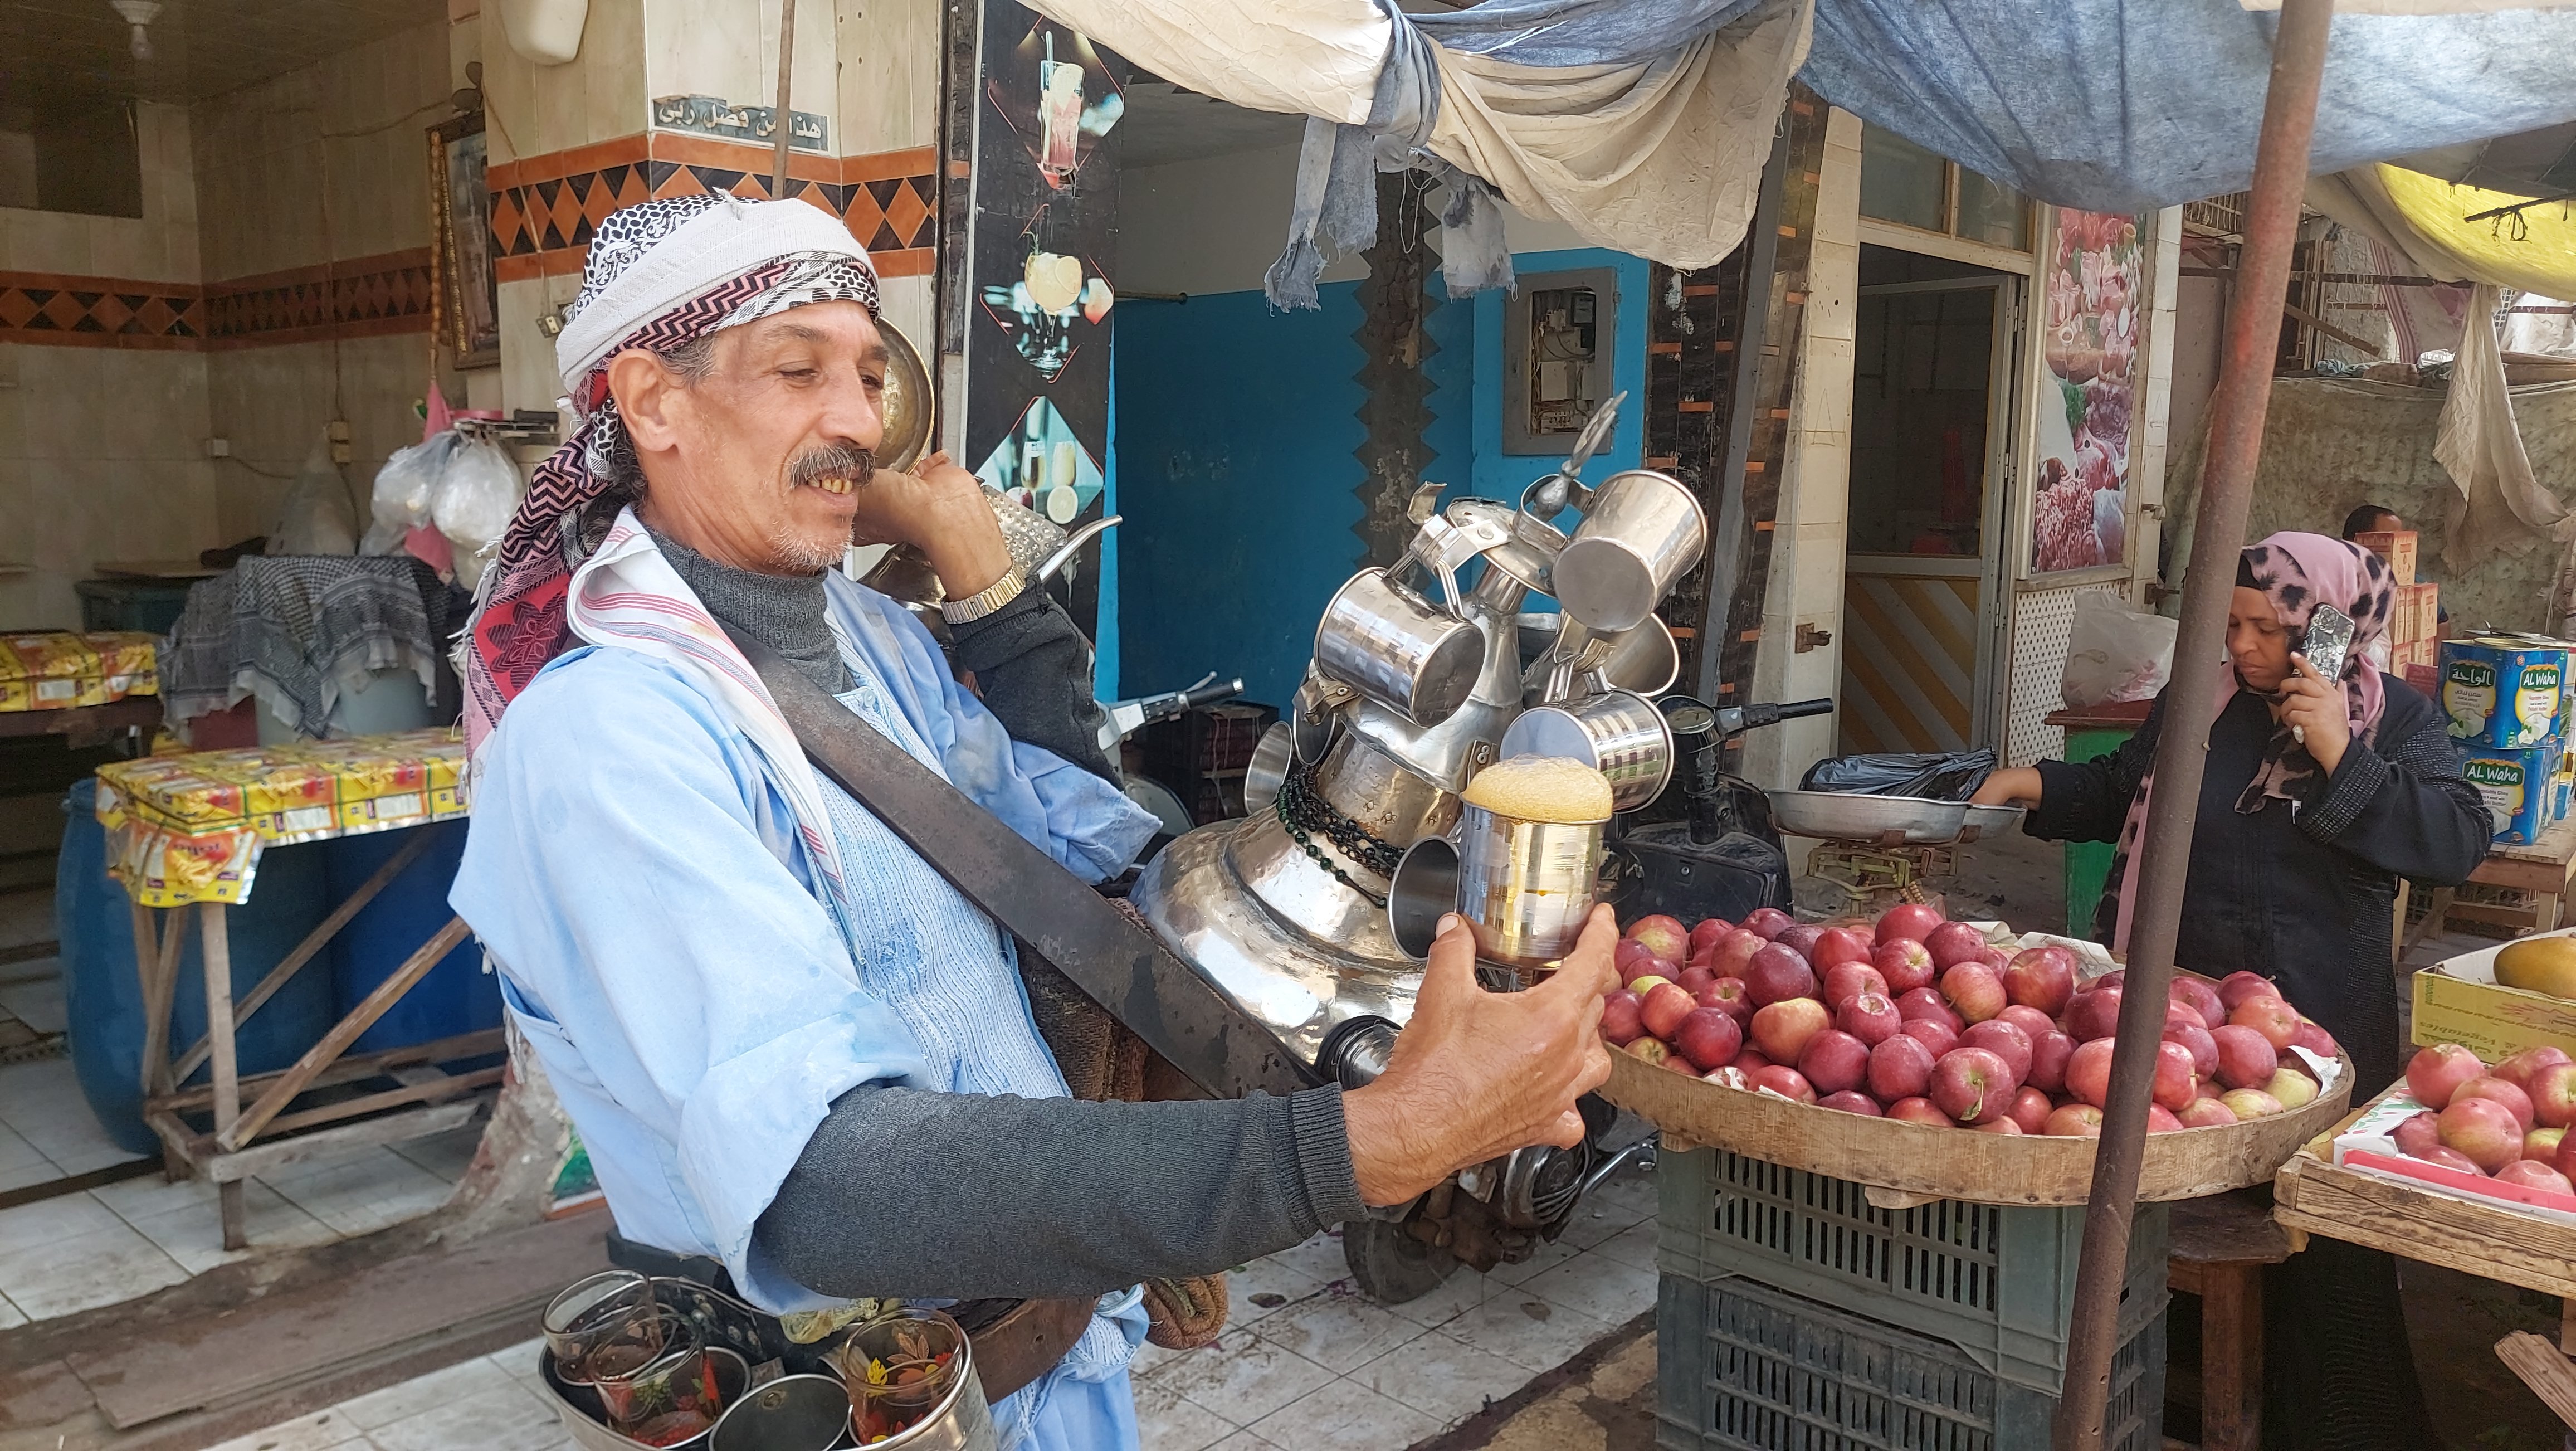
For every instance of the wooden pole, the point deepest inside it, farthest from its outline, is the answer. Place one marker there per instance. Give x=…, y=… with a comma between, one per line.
x=2236, y=412
x=783, y=125
x=218, y=956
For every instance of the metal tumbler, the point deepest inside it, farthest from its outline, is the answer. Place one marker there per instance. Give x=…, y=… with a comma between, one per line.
x=1640, y=532
x=1526, y=887
x=1619, y=734
x=1398, y=648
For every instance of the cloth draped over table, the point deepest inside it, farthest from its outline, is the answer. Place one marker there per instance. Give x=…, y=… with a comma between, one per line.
x=1643, y=124
x=299, y=631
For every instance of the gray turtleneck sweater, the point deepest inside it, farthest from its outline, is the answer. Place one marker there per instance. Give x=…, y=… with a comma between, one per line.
x=959, y=1196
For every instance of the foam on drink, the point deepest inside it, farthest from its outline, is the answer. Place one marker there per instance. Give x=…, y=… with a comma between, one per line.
x=1542, y=788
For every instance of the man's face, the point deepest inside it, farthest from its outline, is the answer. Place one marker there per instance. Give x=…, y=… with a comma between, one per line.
x=757, y=464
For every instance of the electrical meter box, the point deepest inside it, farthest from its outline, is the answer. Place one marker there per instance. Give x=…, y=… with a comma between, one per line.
x=1559, y=333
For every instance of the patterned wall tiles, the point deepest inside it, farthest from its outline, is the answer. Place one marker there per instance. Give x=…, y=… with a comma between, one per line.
x=360, y=297
x=111, y=312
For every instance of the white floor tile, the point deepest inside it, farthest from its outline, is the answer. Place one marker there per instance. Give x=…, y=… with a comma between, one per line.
x=152, y=1194
x=1318, y=1259
x=1634, y=1245
x=1346, y=1416
x=1545, y=1258
x=423, y=1393
x=1247, y=1288
x=1340, y=1330
x=193, y=1234
x=1526, y=1330
x=1165, y=1421
x=1243, y=1441
x=1447, y=1380
x=10, y=1315
x=506, y=1418
x=99, y=1267
x=1611, y=1291
x=1243, y=1377
x=362, y=1193
x=42, y=1102
x=39, y=1170
x=47, y=1220
x=447, y=1155
x=520, y=1361
x=321, y=1431
x=16, y=1152
x=1463, y=1291
x=37, y=1004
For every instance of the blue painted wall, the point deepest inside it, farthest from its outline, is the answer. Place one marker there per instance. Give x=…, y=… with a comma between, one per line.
x=1499, y=475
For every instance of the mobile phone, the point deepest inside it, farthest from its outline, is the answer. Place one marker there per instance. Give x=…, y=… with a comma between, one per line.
x=2329, y=640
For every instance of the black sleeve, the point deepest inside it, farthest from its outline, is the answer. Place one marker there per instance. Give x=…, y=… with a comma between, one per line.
x=2402, y=806
x=1033, y=668
x=923, y=1195
x=2088, y=800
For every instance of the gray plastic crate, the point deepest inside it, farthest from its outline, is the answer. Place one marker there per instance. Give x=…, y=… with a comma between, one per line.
x=1997, y=1282
x=1747, y=1368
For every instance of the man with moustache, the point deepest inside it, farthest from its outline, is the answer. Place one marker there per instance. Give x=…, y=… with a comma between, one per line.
x=804, y=1065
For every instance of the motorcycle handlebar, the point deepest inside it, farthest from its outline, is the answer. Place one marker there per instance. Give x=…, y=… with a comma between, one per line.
x=1211, y=694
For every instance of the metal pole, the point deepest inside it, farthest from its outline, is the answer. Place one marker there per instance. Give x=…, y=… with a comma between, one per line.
x=784, y=123
x=2218, y=531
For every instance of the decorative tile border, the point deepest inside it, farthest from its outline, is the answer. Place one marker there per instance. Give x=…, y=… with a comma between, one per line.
x=545, y=208
x=357, y=297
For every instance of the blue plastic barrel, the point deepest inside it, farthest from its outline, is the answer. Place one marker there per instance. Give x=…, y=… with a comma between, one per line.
x=103, y=994
x=457, y=996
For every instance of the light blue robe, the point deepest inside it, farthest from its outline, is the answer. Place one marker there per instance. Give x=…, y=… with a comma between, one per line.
x=698, y=998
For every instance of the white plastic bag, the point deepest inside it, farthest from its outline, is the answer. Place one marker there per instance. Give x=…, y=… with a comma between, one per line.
x=2115, y=653
x=477, y=493
x=319, y=515
x=404, y=488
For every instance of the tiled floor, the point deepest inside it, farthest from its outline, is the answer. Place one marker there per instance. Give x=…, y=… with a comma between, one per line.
x=76, y=1252
x=1306, y=1363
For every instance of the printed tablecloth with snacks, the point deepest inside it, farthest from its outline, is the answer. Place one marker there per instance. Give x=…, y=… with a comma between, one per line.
x=62, y=670
x=190, y=828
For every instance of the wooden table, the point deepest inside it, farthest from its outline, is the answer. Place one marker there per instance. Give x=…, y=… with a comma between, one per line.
x=2543, y=868
x=2220, y=1246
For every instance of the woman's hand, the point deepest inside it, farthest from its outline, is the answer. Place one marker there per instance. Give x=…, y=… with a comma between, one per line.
x=2011, y=786
x=2314, y=706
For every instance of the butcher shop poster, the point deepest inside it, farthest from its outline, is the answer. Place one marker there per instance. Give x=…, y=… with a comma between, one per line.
x=1045, y=239
x=2089, y=346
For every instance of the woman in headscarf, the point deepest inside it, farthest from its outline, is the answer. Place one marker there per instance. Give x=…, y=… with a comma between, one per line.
x=2318, y=795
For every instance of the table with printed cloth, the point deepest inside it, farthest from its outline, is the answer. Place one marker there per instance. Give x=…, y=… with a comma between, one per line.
x=89, y=687
x=184, y=835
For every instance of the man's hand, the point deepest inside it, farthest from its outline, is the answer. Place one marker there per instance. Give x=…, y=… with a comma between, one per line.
x=938, y=509
x=1477, y=1074
x=2314, y=706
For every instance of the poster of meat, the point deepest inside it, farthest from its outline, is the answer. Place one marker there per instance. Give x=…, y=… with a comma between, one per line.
x=1045, y=236
x=2089, y=343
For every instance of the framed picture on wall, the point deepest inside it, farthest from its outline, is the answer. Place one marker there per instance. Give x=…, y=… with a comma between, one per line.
x=469, y=305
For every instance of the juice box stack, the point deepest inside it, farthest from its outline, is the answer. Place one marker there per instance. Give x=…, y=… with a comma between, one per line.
x=2506, y=697
x=2414, y=625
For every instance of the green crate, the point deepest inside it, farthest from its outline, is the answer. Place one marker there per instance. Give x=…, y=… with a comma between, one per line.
x=1997, y=1282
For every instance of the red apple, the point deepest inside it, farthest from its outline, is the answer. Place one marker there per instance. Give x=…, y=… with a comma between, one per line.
x=1728, y=1077
x=1952, y=943
x=1710, y=1038
x=1927, y=1003
x=2203, y=1047
x=1845, y=981
x=1973, y=991
x=1695, y=980
x=1834, y=1060
x=1781, y=1029
x=2160, y=1120
x=2484, y=1130
x=1681, y=1064
x=1778, y=974
x=1751, y=1059
x=1972, y=1085
x=2268, y=1016
x=1900, y=1067
x=2435, y=1073
x=2030, y=1109
x=2525, y=1174
x=1850, y=1102
x=2418, y=1132
x=1705, y=932
x=1767, y=921
x=2294, y=1090
x=1800, y=938
x=2093, y=1014
x=2116, y=977
x=2553, y=1095
x=2565, y=1163
x=2206, y=1113
x=1664, y=936
x=2316, y=1040
x=1908, y=919
x=2042, y=978
x=1996, y=958
x=2519, y=1069
x=2033, y=1023
x=2177, y=1082
x=2236, y=987
x=1869, y=1017
x=2245, y=1057
x=1727, y=994
x=2088, y=1072
x=2074, y=1121
x=1933, y=1033
x=1649, y=1050
x=2542, y=1144
x=1789, y=1083
x=1839, y=945
x=2003, y=1040
x=1663, y=1008
x=1635, y=959
x=1646, y=982
x=2048, y=1055
x=1920, y=1110
x=1905, y=964
x=2450, y=1158
x=1733, y=953
x=1620, y=1022
x=2203, y=998
x=2182, y=1015
x=1867, y=929
x=2516, y=1102
x=2004, y=1125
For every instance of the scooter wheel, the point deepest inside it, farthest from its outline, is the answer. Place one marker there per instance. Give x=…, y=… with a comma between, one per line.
x=1391, y=1266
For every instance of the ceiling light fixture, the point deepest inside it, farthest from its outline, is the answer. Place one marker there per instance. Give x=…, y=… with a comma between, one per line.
x=138, y=13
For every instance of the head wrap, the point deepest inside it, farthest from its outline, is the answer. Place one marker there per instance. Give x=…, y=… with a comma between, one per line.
x=660, y=275
x=2297, y=573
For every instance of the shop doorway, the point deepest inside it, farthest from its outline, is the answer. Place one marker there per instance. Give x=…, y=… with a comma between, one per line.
x=1924, y=589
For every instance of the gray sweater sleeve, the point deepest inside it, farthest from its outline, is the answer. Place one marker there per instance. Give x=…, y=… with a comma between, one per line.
x=938, y=1195
x=1033, y=668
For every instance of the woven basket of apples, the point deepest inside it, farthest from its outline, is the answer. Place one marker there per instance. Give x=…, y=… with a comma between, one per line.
x=1862, y=1050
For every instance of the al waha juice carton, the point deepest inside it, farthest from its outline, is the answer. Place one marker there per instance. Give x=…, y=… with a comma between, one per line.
x=2519, y=784
x=2505, y=690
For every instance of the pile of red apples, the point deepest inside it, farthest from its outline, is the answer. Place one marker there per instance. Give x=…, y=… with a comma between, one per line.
x=2506, y=1122
x=1920, y=1018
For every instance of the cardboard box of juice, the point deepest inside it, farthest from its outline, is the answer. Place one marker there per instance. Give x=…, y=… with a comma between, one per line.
x=2519, y=784
x=2458, y=1000
x=2505, y=690
x=2396, y=547
x=2426, y=680
x=2415, y=614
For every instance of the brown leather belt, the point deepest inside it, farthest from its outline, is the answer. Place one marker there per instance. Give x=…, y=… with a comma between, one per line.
x=1025, y=1342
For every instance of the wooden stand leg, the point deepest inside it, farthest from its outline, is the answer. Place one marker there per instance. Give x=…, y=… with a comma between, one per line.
x=158, y=936
x=219, y=1035
x=2231, y=1357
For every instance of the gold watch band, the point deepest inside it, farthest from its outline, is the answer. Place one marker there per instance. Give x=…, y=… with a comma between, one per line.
x=993, y=596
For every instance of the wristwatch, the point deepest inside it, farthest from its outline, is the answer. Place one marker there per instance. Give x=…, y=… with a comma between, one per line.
x=993, y=596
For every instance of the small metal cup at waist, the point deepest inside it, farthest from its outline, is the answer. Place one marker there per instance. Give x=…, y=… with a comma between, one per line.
x=1619, y=734
x=1641, y=531
x=1526, y=887
x=1398, y=649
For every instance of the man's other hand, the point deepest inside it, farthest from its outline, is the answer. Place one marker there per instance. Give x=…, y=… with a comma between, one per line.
x=1477, y=1074
x=939, y=509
